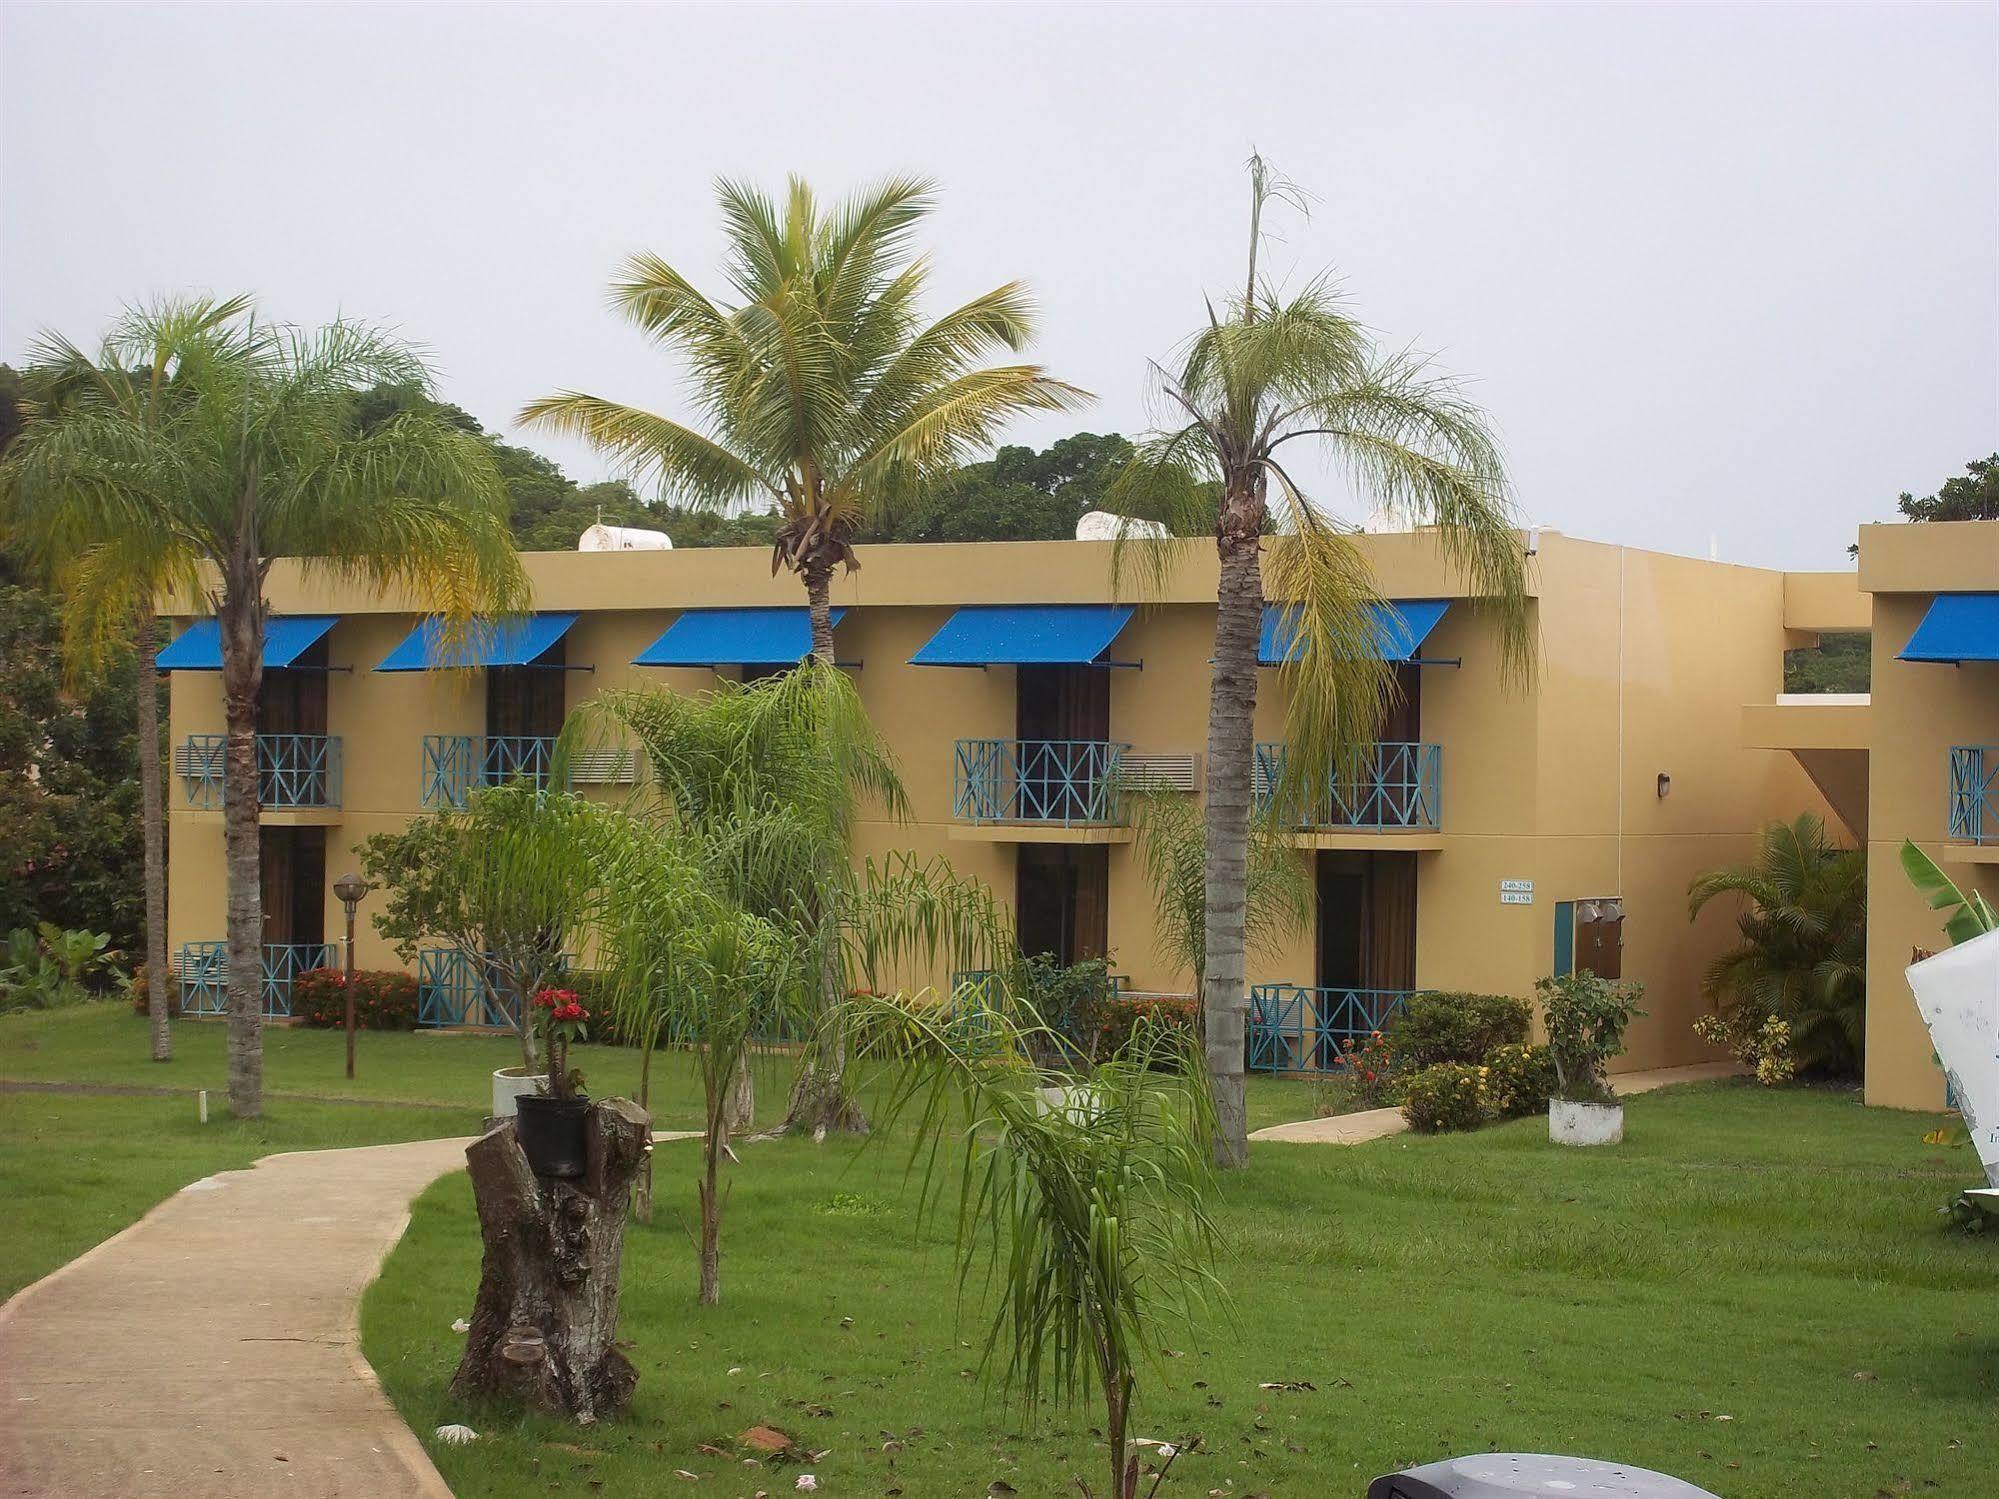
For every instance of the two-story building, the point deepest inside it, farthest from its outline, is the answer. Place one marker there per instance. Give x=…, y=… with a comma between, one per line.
x=1500, y=830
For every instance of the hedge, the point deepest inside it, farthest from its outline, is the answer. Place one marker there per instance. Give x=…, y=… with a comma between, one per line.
x=384, y=1000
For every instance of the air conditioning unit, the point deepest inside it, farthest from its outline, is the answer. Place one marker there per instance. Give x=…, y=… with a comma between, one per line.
x=1159, y=772
x=603, y=768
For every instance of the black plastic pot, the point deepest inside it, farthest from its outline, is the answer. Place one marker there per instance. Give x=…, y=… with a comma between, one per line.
x=553, y=1134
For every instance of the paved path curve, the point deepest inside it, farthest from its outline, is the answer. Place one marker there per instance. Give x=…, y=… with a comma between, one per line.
x=212, y=1349
x=1378, y=1124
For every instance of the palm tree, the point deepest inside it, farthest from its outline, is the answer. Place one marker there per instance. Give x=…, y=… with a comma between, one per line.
x=254, y=455
x=1266, y=372
x=63, y=383
x=822, y=392
x=1803, y=954
x=767, y=780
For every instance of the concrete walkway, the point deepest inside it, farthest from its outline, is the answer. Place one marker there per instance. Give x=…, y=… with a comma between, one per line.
x=212, y=1349
x=1377, y=1124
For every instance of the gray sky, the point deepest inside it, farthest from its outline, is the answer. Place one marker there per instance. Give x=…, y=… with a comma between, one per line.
x=1716, y=270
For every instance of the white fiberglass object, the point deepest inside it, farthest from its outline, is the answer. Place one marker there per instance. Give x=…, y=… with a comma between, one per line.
x=1957, y=992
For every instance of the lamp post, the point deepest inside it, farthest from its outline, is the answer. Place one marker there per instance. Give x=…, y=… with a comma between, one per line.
x=350, y=888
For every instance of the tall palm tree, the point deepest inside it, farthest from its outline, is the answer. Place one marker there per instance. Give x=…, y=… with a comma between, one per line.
x=63, y=382
x=1267, y=372
x=821, y=390
x=254, y=455
x=1803, y=954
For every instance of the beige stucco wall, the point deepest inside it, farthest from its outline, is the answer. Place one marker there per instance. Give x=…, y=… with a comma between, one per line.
x=1644, y=663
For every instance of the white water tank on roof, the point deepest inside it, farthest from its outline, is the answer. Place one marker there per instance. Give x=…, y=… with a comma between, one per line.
x=1101, y=525
x=603, y=538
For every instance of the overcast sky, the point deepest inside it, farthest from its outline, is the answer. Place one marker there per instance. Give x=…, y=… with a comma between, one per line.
x=1725, y=272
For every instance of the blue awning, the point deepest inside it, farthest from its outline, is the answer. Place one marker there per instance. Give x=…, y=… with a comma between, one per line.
x=1957, y=627
x=734, y=637
x=286, y=638
x=507, y=642
x=1025, y=635
x=1400, y=628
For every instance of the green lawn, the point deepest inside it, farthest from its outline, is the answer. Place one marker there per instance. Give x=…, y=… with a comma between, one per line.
x=1753, y=1292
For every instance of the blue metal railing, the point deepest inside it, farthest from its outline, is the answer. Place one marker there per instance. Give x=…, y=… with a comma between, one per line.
x=455, y=765
x=1974, y=806
x=293, y=770
x=1295, y=1028
x=204, y=974
x=1061, y=781
x=1386, y=785
x=455, y=987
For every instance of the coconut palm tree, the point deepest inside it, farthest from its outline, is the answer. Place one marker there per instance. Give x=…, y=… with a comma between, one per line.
x=822, y=392
x=63, y=383
x=1803, y=954
x=1270, y=371
x=255, y=455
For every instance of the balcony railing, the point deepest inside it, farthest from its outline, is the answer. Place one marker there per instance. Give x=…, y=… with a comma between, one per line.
x=1974, y=806
x=1294, y=1028
x=1385, y=786
x=456, y=765
x=454, y=987
x=1061, y=782
x=204, y=974
x=293, y=770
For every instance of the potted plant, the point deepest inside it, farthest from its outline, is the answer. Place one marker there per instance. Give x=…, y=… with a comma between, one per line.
x=551, y=1125
x=1586, y=1016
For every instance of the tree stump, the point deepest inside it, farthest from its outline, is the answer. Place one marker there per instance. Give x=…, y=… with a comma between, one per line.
x=544, y=1324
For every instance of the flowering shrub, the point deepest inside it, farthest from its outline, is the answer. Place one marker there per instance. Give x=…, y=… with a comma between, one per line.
x=1432, y=1028
x=1367, y=1068
x=558, y=1015
x=1762, y=1043
x=1448, y=1096
x=1519, y=1080
x=1586, y=1015
x=384, y=1000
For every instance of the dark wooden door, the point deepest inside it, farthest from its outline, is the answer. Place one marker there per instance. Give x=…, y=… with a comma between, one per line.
x=293, y=700
x=1062, y=702
x=1062, y=901
x=1600, y=938
x=292, y=884
x=527, y=701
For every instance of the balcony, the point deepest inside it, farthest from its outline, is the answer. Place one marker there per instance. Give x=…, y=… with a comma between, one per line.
x=1296, y=1028
x=203, y=968
x=1974, y=809
x=1386, y=788
x=456, y=765
x=1038, y=784
x=295, y=772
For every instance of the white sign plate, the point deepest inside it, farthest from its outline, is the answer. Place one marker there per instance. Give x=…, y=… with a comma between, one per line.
x=1516, y=892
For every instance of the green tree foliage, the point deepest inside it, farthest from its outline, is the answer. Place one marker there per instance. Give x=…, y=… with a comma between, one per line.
x=1803, y=953
x=69, y=780
x=1971, y=495
x=1841, y=662
x=1016, y=495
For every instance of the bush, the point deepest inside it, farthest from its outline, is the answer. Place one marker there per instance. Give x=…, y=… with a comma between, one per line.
x=384, y=1000
x=1758, y=1040
x=1465, y=1028
x=1448, y=1096
x=1520, y=1080
x=1586, y=1016
x=135, y=990
x=1364, y=1075
x=1118, y=1019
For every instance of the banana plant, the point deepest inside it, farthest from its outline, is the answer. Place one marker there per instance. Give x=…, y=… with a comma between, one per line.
x=1970, y=915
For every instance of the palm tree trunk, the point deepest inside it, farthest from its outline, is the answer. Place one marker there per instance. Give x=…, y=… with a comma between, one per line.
x=820, y=1104
x=1231, y=748
x=153, y=816
x=242, y=680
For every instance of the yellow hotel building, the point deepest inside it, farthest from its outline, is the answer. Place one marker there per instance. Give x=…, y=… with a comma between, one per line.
x=1503, y=832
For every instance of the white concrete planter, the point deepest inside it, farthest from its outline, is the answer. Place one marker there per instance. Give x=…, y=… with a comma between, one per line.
x=1585, y=1123
x=509, y=1083
x=1079, y=1105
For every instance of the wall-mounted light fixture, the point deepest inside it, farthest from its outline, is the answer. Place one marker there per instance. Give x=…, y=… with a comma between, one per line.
x=1665, y=785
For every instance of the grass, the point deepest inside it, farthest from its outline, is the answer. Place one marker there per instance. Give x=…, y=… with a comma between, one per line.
x=76, y=1169
x=106, y=1045
x=1753, y=1292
